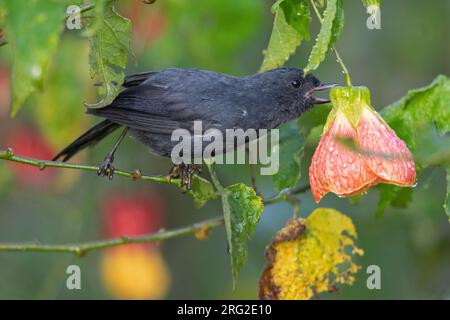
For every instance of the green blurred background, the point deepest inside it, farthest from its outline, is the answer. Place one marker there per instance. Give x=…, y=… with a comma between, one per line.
x=411, y=245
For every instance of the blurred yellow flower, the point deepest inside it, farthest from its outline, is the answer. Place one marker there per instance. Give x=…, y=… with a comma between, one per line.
x=135, y=272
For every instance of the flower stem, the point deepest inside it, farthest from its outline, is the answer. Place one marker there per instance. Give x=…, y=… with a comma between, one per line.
x=338, y=57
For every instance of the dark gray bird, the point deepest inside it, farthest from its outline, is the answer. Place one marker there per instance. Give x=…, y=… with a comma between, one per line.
x=154, y=104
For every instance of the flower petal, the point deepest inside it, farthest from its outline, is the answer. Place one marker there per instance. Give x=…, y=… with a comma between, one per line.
x=389, y=157
x=337, y=169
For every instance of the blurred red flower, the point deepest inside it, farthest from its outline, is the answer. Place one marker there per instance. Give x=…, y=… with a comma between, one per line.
x=135, y=271
x=27, y=141
x=5, y=96
x=132, y=214
x=149, y=22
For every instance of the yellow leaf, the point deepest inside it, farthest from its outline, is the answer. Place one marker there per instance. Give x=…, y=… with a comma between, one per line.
x=310, y=256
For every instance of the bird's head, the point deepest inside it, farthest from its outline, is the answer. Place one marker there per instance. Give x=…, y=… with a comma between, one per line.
x=293, y=90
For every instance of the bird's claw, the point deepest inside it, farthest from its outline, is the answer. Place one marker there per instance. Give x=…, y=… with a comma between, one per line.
x=106, y=168
x=185, y=173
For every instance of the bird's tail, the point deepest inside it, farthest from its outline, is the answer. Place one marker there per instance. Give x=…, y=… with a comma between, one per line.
x=90, y=137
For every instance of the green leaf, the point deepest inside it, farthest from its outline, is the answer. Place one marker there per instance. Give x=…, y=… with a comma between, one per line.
x=108, y=53
x=338, y=23
x=313, y=118
x=368, y=3
x=387, y=194
x=213, y=32
x=392, y=195
x=290, y=152
x=411, y=118
x=418, y=109
x=324, y=39
x=285, y=37
x=242, y=209
x=61, y=122
x=355, y=200
x=320, y=3
x=402, y=198
x=2, y=18
x=275, y=6
x=202, y=190
x=297, y=15
x=32, y=29
x=94, y=18
x=311, y=124
x=293, y=139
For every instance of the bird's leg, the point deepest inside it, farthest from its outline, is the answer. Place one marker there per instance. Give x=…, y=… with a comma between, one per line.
x=107, y=168
x=185, y=173
x=174, y=172
x=190, y=171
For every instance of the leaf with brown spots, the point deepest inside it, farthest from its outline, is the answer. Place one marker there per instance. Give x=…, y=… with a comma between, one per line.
x=310, y=256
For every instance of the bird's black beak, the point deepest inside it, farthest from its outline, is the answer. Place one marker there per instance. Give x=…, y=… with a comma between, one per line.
x=325, y=86
x=322, y=86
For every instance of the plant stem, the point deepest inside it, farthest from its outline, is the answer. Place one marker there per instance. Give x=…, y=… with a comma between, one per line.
x=338, y=57
x=251, y=170
x=215, y=179
x=226, y=209
x=285, y=194
x=42, y=164
x=81, y=249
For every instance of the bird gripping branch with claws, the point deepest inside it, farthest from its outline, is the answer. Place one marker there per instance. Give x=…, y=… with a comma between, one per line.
x=154, y=104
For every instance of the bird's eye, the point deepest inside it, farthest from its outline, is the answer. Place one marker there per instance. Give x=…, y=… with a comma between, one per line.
x=295, y=83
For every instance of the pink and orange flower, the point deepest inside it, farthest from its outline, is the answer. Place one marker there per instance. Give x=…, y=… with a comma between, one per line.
x=380, y=155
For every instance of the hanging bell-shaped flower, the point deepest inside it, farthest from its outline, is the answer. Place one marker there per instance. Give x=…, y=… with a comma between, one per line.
x=377, y=155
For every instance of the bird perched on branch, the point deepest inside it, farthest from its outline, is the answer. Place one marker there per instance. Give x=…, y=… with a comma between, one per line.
x=154, y=104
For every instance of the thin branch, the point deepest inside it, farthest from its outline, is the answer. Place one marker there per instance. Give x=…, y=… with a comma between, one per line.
x=288, y=195
x=338, y=57
x=81, y=249
x=215, y=179
x=285, y=195
x=42, y=164
x=251, y=170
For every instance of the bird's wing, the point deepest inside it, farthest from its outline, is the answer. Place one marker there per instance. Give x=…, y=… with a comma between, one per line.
x=161, y=107
x=137, y=79
x=138, y=119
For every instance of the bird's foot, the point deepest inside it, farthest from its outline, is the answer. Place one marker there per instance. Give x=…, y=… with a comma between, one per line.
x=185, y=173
x=107, y=168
